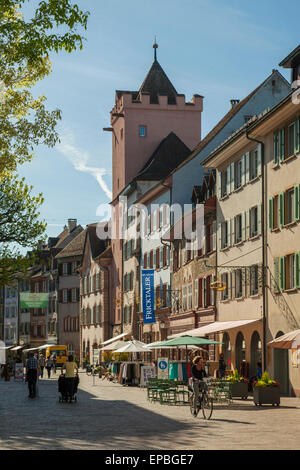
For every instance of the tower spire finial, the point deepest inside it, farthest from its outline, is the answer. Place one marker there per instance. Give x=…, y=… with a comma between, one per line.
x=155, y=46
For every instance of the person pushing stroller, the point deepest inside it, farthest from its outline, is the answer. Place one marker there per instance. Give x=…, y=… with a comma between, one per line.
x=69, y=382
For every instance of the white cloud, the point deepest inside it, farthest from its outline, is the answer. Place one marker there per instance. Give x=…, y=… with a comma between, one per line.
x=79, y=158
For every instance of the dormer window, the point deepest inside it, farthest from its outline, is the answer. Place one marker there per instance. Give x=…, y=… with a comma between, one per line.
x=142, y=131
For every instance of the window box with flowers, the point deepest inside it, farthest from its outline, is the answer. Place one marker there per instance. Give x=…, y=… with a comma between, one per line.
x=266, y=391
x=238, y=386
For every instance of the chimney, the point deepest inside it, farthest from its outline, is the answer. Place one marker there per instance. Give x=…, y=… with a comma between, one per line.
x=234, y=103
x=72, y=223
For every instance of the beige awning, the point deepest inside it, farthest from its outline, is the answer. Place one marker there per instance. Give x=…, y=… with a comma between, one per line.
x=215, y=327
x=111, y=340
x=114, y=345
x=290, y=340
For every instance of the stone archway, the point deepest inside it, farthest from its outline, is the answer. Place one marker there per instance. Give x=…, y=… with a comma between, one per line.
x=255, y=353
x=281, y=367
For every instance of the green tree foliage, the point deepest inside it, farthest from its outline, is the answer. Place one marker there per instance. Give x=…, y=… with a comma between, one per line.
x=26, y=43
x=19, y=225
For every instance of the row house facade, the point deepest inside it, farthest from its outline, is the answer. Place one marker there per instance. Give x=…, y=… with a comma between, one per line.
x=94, y=278
x=68, y=261
x=262, y=200
x=193, y=264
x=239, y=250
x=11, y=312
x=279, y=132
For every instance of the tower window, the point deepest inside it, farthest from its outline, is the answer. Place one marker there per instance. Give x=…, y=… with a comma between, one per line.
x=142, y=131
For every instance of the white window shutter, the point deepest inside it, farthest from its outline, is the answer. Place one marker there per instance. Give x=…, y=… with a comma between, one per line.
x=196, y=296
x=214, y=236
x=247, y=166
x=244, y=225
x=228, y=180
x=247, y=213
x=259, y=169
x=219, y=178
x=243, y=170
x=220, y=235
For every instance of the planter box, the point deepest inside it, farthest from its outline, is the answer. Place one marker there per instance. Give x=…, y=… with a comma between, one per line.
x=266, y=396
x=239, y=390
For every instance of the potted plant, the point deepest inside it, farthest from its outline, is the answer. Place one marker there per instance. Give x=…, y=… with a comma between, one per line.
x=238, y=385
x=266, y=391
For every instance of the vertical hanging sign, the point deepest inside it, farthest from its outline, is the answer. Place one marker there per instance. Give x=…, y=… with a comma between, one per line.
x=148, y=295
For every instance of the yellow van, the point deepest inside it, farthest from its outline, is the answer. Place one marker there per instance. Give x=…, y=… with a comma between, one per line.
x=61, y=353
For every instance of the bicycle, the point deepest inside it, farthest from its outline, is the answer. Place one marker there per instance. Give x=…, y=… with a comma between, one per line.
x=205, y=402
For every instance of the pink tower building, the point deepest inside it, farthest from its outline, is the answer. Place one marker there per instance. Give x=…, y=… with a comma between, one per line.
x=140, y=120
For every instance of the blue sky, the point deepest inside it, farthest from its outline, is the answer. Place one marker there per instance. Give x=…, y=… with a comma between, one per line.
x=219, y=49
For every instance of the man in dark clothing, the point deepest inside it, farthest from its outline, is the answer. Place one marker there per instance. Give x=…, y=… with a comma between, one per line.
x=32, y=374
x=222, y=366
x=198, y=373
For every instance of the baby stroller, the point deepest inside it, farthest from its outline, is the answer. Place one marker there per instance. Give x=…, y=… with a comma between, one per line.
x=67, y=388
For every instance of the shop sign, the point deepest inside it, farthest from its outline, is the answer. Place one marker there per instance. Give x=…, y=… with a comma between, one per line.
x=163, y=368
x=148, y=295
x=33, y=300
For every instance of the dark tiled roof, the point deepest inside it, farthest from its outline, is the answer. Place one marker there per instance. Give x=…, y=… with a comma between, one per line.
x=167, y=156
x=287, y=61
x=157, y=83
x=225, y=120
x=97, y=245
x=75, y=247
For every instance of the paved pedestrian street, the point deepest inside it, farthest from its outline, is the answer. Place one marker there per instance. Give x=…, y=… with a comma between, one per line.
x=109, y=416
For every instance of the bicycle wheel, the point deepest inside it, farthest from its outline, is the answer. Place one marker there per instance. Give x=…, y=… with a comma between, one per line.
x=207, y=406
x=194, y=412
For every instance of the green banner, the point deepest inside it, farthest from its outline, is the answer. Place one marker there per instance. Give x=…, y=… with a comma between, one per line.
x=34, y=300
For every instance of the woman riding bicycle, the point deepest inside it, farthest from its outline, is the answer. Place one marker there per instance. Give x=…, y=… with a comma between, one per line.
x=198, y=373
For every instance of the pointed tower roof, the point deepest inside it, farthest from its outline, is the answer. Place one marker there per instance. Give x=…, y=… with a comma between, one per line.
x=157, y=83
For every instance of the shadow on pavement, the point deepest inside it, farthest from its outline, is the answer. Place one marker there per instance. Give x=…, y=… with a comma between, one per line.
x=44, y=423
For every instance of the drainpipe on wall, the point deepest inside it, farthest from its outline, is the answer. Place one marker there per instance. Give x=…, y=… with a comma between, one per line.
x=264, y=246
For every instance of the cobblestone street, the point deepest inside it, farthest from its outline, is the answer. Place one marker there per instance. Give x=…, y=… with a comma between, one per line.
x=110, y=416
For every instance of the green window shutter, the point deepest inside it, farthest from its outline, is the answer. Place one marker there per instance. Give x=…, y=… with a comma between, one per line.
x=276, y=274
x=276, y=149
x=297, y=202
x=297, y=136
x=297, y=270
x=271, y=213
x=281, y=209
x=282, y=273
x=259, y=208
x=281, y=145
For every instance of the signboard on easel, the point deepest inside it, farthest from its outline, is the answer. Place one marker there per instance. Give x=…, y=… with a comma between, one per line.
x=19, y=372
x=147, y=372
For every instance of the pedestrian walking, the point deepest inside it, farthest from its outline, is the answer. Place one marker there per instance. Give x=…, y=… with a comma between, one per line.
x=222, y=366
x=49, y=364
x=32, y=366
x=42, y=364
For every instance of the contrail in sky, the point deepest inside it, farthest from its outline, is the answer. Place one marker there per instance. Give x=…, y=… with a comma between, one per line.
x=79, y=158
